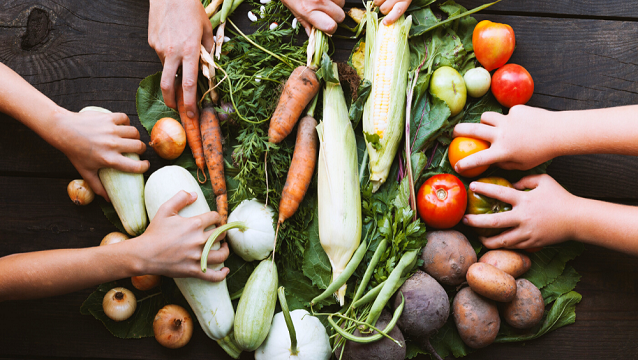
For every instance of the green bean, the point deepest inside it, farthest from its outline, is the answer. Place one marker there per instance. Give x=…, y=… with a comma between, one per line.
x=369, y=297
x=226, y=5
x=383, y=244
x=211, y=240
x=395, y=280
x=375, y=337
x=345, y=275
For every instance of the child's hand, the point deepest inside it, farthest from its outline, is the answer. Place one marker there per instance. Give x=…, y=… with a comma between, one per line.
x=519, y=140
x=393, y=9
x=94, y=140
x=324, y=15
x=172, y=245
x=539, y=217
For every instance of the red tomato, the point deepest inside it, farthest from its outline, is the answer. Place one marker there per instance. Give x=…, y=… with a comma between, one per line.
x=441, y=201
x=462, y=147
x=493, y=44
x=512, y=85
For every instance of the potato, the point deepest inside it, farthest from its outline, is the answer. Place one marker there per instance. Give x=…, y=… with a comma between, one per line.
x=491, y=282
x=447, y=256
x=512, y=262
x=476, y=318
x=527, y=308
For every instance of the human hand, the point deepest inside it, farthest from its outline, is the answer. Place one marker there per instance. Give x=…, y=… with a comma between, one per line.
x=93, y=140
x=518, y=140
x=392, y=9
x=322, y=14
x=176, y=31
x=172, y=245
x=539, y=217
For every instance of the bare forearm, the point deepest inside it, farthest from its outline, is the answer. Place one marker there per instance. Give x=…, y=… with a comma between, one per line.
x=609, y=225
x=54, y=272
x=598, y=131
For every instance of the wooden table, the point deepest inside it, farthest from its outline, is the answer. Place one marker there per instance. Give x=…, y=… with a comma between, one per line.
x=582, y=54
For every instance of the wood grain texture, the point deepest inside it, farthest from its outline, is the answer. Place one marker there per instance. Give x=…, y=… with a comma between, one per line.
x=577, y=8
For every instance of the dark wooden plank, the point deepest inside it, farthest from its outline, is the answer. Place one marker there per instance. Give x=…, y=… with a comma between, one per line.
x=578, y=8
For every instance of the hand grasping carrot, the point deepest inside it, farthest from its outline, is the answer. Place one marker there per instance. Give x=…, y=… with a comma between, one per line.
x=214, y=155
x=193, y=135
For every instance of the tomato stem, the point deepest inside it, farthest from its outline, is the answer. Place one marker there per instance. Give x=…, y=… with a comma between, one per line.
x=441, y=194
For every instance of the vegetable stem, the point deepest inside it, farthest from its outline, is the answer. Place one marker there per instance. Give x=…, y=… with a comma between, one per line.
x=394, y=281
x=291, y=327
x=367, y=298
x=217, y=18
x=321, y=46
x=262, y=48
x=383, y=244
x=345, y=275
x=211, y=240
x=226, y=5
x=470, y=12
x=313, y=105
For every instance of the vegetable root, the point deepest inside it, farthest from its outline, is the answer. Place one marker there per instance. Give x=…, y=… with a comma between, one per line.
x=193, y=135
x=214, y=156
x=301, y=87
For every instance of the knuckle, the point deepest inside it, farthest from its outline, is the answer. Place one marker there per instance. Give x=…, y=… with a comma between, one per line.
x=494, y=222
x=170, y=50
x=188, y=83
x=166, y=85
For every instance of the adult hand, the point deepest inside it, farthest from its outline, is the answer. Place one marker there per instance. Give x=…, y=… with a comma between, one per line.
x=539, y=217
x=176, y=30
x=322, y=14
x=518, y=140
x=172, y=245
x=393, y=9
x=93, y=140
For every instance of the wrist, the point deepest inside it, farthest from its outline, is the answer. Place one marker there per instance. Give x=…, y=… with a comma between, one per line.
x=56, y=132
x=133, y=263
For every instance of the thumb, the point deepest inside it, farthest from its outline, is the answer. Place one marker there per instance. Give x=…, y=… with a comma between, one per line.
x=177, y=203
x=215, y=275
x=528, y=182
x=96, y=185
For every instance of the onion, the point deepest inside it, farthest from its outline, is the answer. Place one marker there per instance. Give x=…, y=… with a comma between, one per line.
x=119, y=304
x=145, y=282
x=168, y=138
x=226, y=112
x=80, y=192
x=113, y=238
x=173, y=326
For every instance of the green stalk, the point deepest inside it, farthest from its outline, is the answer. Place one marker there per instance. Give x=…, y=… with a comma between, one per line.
x=321, y=46
x=470, y=12
x=217, y=18
x=211, y=239
x=291, y=327
x=383, y=244
x=313, y=105
x=367, y=298
x=285, y=61
x=345, y=275
x=226, y=5
x=395, y=280
x=230, y=346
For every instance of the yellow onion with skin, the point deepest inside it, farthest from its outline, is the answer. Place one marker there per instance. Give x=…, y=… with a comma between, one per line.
x=173, y=326
x=168, y=138
x=119, y=304
x=113, y=238
x=80, y=192
x=145, y=282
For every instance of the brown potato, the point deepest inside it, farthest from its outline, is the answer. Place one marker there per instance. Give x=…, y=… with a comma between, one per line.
x=447, y=256
x=476, y=318
x=491, y=282
x=512, y=262
x=527, y=308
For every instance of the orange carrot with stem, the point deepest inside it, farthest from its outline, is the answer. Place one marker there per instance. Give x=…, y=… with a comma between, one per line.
x=302, y=166
x=193, y=135
x=214, y=155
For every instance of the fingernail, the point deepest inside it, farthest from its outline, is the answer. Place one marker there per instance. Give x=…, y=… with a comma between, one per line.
x=190, y=114
x=193, y=195
x=472, y=187
x=464, y=220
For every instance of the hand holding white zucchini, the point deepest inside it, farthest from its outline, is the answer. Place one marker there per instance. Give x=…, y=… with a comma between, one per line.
x=210, y=301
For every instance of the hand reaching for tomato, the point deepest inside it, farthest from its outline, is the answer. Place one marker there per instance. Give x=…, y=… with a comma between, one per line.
x=540, y=217
x=520, y=140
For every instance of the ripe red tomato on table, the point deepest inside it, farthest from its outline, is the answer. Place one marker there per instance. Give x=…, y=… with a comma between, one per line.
x=512, y=85
x=462, y=147
x=441, y=201
x=493, y=44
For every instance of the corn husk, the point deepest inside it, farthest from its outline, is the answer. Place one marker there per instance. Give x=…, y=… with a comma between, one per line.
x=382, y=150
x=338, y=183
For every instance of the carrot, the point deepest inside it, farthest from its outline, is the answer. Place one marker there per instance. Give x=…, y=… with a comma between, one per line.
x=214, y=155
x=301, y=87
x=301, y=170
x=193, y=135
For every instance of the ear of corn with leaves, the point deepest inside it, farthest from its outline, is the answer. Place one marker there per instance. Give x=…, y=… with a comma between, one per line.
x=338, y=183
x=387, y=61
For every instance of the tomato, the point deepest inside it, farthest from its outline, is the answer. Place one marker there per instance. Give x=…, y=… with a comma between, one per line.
x=480, y=204
x=477, y=82
x=462, y=147
x=493, y=44
x=448, y=85
x=512, y=85
x=441, y=201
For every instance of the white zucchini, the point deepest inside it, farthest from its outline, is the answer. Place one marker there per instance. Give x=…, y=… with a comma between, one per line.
x=126, y=191
x=210, y=301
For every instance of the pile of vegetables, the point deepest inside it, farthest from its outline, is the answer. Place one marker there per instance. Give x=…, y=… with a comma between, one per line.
x=332, y=220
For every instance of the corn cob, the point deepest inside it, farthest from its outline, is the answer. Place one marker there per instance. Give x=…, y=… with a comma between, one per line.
x=386, y=66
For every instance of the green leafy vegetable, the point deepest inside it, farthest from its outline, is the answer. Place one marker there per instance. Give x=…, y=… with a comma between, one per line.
x=563, y=284
x=316, y=264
